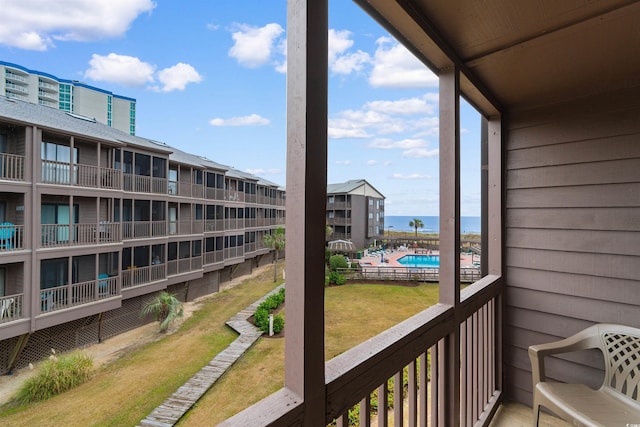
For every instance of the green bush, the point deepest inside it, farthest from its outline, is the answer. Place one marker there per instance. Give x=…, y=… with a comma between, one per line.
x=354, y=265
x=337, y=278
x=337, y=261
x=261, y=316
x=54, y=376
x=278, y=323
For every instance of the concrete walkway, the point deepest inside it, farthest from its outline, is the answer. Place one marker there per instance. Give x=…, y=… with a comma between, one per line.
x=186, y=396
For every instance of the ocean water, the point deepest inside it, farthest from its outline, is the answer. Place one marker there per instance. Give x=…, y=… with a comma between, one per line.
x=469, y=224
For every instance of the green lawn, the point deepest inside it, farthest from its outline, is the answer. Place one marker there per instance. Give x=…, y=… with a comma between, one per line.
x=129, y=389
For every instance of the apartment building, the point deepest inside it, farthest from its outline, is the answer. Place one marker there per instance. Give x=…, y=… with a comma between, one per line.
x=93, y=221
x=355, y=212
x=42, y=88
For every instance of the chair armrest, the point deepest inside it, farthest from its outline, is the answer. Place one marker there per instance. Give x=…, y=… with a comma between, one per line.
x=585, y=339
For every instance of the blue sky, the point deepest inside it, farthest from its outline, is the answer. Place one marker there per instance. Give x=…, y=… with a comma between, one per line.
x=209, y=78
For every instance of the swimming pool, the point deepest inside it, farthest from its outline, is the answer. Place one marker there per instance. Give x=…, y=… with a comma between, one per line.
x=424, y=261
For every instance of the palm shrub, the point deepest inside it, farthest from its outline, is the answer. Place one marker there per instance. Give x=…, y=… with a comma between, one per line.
x=275, y=241
x=54, y=376
x=166, y=308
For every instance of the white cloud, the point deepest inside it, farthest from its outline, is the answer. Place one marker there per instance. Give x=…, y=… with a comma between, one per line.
x=261, y=171
x=388, y=163
x=388, y=144
x=343, y=133
x=341, y=61
x=343, y=162
x=254, y=46
x=420, y=153
x=395, y=67
x=178, y=76
x=121, y=69
x=250, y=120
x=411, y=176
x=372, y=162
x=213, y=27
x=35, y=24
x=407, y=106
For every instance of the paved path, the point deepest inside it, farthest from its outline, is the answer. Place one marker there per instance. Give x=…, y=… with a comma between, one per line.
x=186, y=396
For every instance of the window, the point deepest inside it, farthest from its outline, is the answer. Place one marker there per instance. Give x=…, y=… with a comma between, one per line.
x=54, y=273
x=159, y=167
x=197, y=177
x=109, y=105
x=370, y=202
x=56, y=162
x=196, y=248
x=3, y=291
x=173, y=180
x=127, y=162
x=198, y=213
x=56, y=219
x=157, y=254
x=331, y=214
x=143, y=164
x=331, y=199
x=370, y=215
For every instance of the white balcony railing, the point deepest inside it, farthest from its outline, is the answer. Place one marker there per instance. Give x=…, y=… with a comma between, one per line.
x=11, y=308
x=62, y=297
x=135, y=276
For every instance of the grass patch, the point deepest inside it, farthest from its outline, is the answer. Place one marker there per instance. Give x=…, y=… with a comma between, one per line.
x=56, y=375
x=353, y=313
x=127, y=390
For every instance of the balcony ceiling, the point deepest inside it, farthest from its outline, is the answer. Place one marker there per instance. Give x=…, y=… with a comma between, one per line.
x=525, y=53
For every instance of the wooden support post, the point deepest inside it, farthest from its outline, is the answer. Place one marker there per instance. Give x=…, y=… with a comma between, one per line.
x=17, y=350
x=307, y=47
x=449, y=367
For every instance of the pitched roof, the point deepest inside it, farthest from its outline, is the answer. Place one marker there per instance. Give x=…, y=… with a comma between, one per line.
x=350, y=186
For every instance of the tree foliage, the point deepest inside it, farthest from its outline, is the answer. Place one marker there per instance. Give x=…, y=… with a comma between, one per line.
x=165, y=307
x=276, y=242
x=416, y=223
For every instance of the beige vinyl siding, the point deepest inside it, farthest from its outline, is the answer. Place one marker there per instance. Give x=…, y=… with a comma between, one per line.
x=572, y=230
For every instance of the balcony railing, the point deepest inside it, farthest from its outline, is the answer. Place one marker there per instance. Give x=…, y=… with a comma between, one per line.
x=211, y=225
x=55, y=235
x=234, y=223
x=13, y=86
x=61, y=297
x=135, y=276
x=143, y=229
x=11, y=308
x=338, y=206
x=339, y=221
x=184, y=265
x=11, y=237
x=11, y=167
x=236, y=252
x=467, y=275
x=81, y=175
x=214, y=193
x=144, y=184
x=213, y=257
x=234, y=196
x=15, y=77
x=420, y=354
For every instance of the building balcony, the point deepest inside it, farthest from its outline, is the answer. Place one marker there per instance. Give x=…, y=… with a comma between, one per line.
x=234, y=196
x=11, y=237
x=231, y=253
x=11, y=308
x=214, y=193
x=339, y=221
x=234, y=224
x=136, y=276
x=80, y=175
x=184, y=265
x=186, y=227
x=48, y=86
x=335, y=206
x=212, y=225
x=67, y=296
x=11, y=167
x=16, y=88
x=14, y=77
x=422, y=353
x=47, y=95
x=57, y=235
x=213, y=257
x=143, y=229
x=16, y=96
x=144, y=184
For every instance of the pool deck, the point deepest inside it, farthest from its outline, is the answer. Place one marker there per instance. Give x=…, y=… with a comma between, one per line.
x=391, y=259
